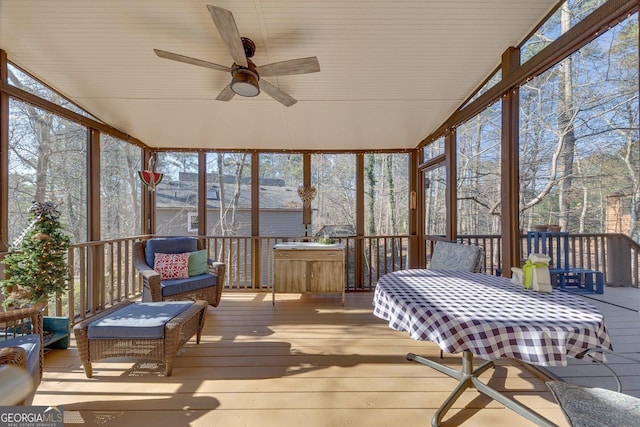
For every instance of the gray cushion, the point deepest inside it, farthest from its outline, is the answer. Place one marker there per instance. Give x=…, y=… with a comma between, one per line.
x=179, y=286
x=170, y=245
x=31, y=344
x=595, y=407
x=140, y=320
x=454, y=257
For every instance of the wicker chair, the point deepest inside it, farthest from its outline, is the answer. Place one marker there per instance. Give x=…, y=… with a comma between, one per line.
x=22, y=343
x=15, y=382
x=207, y=287
x=457, y=257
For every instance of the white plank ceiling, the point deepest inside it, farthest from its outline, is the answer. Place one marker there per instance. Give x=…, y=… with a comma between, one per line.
x=391, y=71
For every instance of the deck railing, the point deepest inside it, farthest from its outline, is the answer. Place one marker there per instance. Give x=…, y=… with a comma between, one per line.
x=102, y=273
x=249, y=260
x=616, y=255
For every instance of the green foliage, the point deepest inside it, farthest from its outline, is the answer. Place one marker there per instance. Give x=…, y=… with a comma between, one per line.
x=39, y=268
x=326, y=240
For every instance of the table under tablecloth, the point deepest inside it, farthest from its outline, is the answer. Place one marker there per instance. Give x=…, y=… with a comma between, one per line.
x=489, y=316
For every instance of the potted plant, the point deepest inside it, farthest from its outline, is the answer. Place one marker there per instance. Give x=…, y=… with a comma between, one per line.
x=327, y=240
x=38, y=270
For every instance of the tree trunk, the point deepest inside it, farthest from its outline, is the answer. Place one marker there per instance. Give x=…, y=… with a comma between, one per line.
x=371, y=180
x=393, y=226
x=133, y=189
x=566, y=131
x=222, y=221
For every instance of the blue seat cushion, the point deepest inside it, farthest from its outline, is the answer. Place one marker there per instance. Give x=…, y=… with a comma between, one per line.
x=31, y=344
x=178, y=286
x=144, y=320
x=170, y=245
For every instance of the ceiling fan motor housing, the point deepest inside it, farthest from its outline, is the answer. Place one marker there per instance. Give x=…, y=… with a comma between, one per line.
x=245, y=79
x=249, y=47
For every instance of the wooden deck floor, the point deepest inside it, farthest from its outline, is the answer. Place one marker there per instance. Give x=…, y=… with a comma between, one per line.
x=620, y=307
x=307, y=361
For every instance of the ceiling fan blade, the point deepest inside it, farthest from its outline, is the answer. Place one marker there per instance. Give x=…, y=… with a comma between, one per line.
x=189, y=60
x=292, y=66
x=228, y=30
x=226, y=94
x=277, y=94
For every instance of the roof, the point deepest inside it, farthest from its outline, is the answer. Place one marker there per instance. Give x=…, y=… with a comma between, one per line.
x=183, y=192
x=391, y=72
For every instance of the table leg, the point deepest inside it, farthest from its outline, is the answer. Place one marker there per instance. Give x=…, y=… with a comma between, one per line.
x=468, y=378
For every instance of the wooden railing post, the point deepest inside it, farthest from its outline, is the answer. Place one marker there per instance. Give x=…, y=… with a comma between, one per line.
x=618, y=260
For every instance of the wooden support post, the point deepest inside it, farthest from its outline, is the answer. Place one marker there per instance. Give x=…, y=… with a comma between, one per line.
x=202, y=194
x=417, y=255
x=306, y=182
x=452, y=193
x=359, y=244
x=618, y=260
x=4, y=156
x=510, y=170
x=256, y=248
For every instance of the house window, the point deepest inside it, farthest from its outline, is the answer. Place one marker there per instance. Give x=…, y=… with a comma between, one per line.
x=192, y=221
x=213, y=194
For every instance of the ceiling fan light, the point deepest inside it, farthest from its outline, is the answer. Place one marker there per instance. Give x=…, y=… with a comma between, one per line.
x=245, y=84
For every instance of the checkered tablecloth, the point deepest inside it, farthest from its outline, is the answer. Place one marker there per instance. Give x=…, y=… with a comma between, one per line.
x=489, y=316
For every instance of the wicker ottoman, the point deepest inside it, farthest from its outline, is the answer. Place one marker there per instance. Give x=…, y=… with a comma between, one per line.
x=148, y=330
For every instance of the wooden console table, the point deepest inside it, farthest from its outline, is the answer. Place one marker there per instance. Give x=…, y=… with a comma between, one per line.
x=308, y=268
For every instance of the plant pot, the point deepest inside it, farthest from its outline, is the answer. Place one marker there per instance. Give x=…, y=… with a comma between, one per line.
x=555, y=228
x=540, y=227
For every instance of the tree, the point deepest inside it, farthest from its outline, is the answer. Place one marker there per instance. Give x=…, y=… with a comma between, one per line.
x=235, y=163
x=40, y=269
x=391, y=195
x=120, y=188
x=44, y=153
x=566, y=117
x=576, y=118
x=478, y=173
x=370, y=174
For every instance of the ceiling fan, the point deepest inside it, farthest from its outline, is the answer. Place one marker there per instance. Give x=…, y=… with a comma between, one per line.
x=246, y=77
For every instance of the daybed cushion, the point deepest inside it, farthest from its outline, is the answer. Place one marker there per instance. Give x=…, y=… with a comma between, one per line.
x=179, y=286
x=171, y=245
x=31, y=344
x=139, y=320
